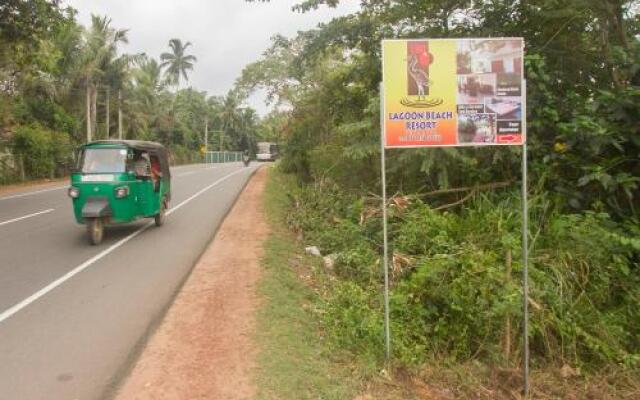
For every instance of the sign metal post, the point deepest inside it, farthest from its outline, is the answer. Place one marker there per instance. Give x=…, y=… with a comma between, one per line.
x=525, y=257
x=454, y=92
x=387, y=334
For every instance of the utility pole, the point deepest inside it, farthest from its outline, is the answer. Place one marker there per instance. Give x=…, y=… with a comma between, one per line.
x=88, y=113
x=107, y=119
x=120, y=114
x=206, y=134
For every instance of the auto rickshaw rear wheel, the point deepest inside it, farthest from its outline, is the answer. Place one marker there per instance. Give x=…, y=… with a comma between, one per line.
x=95, y=230
x=161, y=216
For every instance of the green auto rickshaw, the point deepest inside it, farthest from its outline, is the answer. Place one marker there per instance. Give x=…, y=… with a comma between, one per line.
x=119, y=181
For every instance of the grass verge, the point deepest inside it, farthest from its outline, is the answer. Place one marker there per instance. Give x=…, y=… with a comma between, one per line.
x=294, y=362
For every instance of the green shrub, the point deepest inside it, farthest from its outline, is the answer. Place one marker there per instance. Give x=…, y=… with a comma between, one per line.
x=44, y=153
x=423, y=231
x=353, y=320
x=454, y=297
x=588, y=284
x=359, y=264
x=453, y=306
x=182, y=155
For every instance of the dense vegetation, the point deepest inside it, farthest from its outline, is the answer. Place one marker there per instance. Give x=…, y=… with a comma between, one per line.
x=454, y=216
x=62, y=84
x=454, y=213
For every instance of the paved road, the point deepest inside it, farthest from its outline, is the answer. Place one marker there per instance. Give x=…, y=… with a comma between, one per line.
x=72, y=316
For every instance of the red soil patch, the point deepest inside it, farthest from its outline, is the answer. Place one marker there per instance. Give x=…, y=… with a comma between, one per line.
x=203, y=348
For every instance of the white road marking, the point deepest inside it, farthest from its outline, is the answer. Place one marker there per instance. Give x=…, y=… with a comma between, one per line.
x=198, y=193
x=26, y=216
x=15, y=196
x=8, y=313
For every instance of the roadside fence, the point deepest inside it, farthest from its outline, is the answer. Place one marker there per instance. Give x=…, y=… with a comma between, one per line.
x=214, y=157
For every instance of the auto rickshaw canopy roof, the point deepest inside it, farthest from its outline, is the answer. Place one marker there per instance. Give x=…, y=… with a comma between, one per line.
x=152, y=148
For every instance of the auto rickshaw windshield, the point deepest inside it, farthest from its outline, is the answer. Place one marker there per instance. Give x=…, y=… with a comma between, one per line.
x=104, y=161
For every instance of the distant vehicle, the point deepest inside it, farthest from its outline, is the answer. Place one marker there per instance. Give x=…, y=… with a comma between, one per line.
x=267, y=151
x=119, y=181
x=246, y=158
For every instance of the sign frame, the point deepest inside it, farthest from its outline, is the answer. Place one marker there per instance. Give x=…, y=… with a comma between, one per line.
x=457, y=144
x=524, y=206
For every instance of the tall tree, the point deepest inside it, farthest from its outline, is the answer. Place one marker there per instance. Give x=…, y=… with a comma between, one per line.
x=177, y=62
x=100, y=50
x=229, y=117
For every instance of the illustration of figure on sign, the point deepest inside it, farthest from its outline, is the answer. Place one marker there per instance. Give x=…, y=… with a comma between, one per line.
x=418, y=61
x=419, y=76
x=418, y=83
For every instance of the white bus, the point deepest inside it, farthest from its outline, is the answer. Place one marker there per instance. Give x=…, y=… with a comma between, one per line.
x=267, y=151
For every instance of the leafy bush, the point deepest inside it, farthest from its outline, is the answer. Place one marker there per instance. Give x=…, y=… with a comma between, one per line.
x=353, y=320
x=46, y=113
x=44, y=153
x=453, y=306
x=587, y=282
x=182, y=155
x=359, y=264
x=425, y=231
x=453, y=296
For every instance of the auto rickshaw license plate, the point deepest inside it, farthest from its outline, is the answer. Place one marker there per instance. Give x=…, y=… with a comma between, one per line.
x=97, y=178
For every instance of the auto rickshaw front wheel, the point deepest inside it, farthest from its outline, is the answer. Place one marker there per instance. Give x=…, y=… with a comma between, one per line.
x=161, y=216
x=95, y=230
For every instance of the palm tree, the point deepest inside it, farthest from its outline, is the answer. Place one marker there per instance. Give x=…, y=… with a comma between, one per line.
x=118, y=76
x=146, y=99
x=100, y=49
x=229, y=117
x=149, y=77
x=177, y=63
x=149, y=85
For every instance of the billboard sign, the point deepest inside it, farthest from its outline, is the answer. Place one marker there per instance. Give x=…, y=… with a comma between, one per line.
x=453, y=92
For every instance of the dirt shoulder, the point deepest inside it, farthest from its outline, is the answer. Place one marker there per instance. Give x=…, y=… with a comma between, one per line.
x=203, y=348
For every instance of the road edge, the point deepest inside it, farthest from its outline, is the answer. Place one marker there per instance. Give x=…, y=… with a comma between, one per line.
x=122, y=373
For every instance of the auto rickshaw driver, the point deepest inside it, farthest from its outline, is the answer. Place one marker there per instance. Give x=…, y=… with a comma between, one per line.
x=148, y=166
x=156, y=172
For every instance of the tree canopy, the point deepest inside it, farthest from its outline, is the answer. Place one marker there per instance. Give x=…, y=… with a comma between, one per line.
x=582, y=67
x=68, y=84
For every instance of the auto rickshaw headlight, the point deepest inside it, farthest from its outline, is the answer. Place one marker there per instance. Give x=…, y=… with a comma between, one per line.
x=122, y=191
x=73, y=192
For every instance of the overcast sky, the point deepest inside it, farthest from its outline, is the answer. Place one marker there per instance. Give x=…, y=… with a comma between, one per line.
x=226, y=34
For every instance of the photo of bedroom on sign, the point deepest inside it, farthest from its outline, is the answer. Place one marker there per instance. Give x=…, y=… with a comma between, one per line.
x=490, y=87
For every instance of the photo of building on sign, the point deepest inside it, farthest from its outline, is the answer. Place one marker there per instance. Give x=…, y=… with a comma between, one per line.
x=489, y=56
x=475, y=88
x=489, y=81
